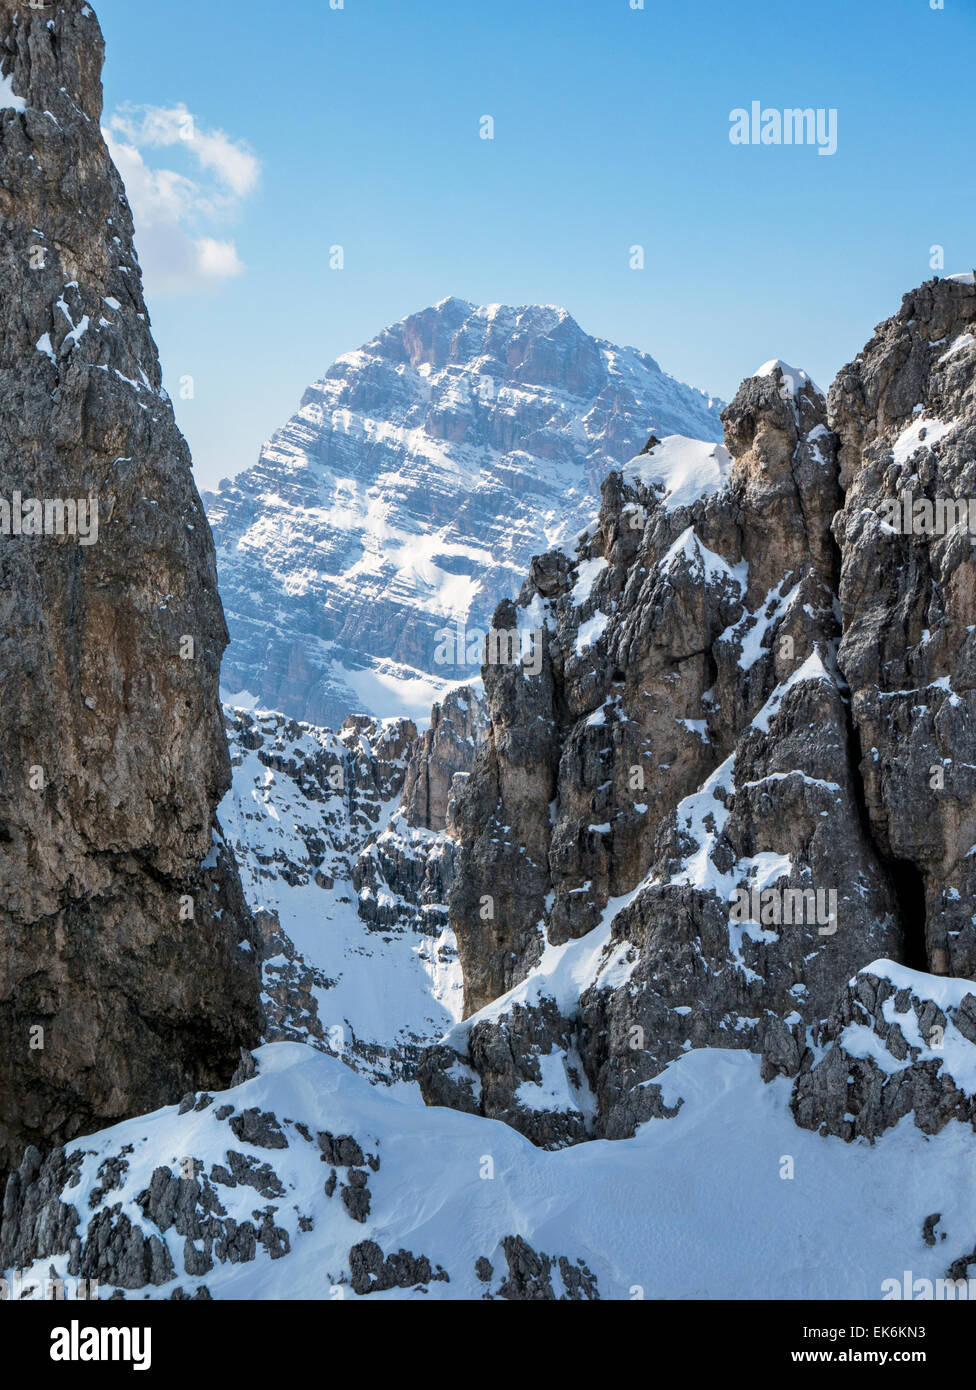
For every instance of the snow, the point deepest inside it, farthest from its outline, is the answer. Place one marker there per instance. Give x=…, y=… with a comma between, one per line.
x=590, y=632
x=636, y=1210
x=587, y=573
x=562, y=973
x=751, y=931
x=813, y=669
x=911, y=439
x=945, y=990
x=961, y=343
x=702, y=816
x=687, y=470
x=751, y=629
x=967, y=277
x=8, y=99
x=554, y=1092
x=794, y=378
x=428, y=503
x=707, y=567
x=390, y=687
x=382, y=988
x=242, y=699
x=78, y=331
x=955, y=1054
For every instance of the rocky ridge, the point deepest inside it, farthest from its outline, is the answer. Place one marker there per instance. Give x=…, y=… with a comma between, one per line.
x=704, y=724
x=701, y=862
x=682, y=730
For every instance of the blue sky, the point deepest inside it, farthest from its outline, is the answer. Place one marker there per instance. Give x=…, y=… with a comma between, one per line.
x=359, y=127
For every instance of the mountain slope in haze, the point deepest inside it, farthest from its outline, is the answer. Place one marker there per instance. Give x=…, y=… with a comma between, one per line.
x=409, y=492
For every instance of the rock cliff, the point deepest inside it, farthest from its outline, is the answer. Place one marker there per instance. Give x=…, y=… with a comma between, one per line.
x=751, y=688
x=128, y=971
x=691, y=914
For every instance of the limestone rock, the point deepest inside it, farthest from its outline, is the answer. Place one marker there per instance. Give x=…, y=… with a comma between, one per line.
x=905, y=409
x=112, y=755
x=698, y=721
x=898, y=1042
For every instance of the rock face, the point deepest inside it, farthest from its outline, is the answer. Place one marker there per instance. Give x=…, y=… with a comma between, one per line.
x=362, y=556
x=905, y=410
x=898, y=1042
x=656, y=857
x=113, y=999
x=445, y=751
x=710, y=792
x=404, y=876
x=712, y=824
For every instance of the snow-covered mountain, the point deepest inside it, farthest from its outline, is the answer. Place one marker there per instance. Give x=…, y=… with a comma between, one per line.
x=408, y=494
x=497, y=1022
x=651, y=1093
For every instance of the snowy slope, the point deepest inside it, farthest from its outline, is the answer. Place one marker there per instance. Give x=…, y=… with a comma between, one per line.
x=733, y=1199
x=303, y=805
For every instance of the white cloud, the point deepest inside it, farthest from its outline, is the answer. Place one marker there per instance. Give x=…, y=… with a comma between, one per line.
x=175, y=215
x=219, y=258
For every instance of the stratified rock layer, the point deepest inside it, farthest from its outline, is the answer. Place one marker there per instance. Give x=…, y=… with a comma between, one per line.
x=113, y=998
x=365, y=551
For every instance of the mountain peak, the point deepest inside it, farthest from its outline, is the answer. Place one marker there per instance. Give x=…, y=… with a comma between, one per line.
x=409, y=492
x=449, y=302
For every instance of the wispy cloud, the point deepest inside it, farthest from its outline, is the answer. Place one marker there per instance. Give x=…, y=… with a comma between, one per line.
x=176, y=215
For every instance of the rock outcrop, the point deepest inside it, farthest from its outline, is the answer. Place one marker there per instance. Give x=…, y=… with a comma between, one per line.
x=250, y=1184
x=128, y=972
x=898, y=1042
x=405, y=874
x=699, y=809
